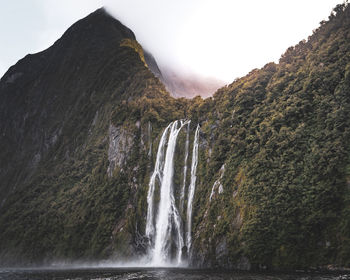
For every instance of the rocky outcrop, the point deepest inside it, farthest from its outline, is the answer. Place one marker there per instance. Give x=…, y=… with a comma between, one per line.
x=120, y=144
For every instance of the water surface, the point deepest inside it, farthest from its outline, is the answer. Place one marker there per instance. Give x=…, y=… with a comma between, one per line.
x=157, y=273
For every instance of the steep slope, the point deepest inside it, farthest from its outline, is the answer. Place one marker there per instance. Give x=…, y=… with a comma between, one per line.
x=74, y=124
x=278, y=144
x=40, y=90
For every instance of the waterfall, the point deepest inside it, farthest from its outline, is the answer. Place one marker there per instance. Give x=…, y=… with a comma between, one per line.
x=217, y=186
x=165, y=231
x=157, y=174
x=182, y=195
x=150, y=139
x=191, y=190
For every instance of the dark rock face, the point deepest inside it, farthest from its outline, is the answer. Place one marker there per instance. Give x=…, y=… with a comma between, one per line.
x=120, y=146
x=39, y=93
x=152, y=64
x=80, y=125
x=61, y=112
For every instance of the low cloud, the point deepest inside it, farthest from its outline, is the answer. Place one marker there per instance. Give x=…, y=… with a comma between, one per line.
x=222, y=39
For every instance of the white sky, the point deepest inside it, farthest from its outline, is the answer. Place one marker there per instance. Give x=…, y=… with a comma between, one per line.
x=224, y=39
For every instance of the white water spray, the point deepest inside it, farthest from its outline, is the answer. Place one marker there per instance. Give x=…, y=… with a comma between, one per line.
x=165, y=232
x=191, y=190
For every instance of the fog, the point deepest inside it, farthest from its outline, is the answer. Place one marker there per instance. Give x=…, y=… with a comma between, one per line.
x=220, y=39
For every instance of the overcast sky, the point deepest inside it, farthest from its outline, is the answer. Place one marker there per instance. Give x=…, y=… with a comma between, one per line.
x=224, y=39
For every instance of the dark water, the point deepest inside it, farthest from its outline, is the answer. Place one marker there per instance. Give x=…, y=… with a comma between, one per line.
x=155, y=274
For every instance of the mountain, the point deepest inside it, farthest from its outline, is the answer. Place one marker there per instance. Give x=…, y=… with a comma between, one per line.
x=40, y=92
x=88, y=129
x=61, y=110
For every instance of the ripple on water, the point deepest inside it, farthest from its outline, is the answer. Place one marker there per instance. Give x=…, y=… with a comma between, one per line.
x=157, y=274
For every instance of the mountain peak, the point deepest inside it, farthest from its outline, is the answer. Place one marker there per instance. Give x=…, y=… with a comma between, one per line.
x=86, y=40
x=99, y=26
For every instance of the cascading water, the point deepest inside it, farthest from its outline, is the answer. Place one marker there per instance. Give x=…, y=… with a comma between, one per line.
x=191, y=190
x=167, y=203
x=150, y=139
x=182, y=195
x=157, y=175
x=165, y=231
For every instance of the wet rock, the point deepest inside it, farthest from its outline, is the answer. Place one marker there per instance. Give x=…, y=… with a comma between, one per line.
x=221, y=250
x=184, y=254
x=242, y=264
x=120, y=144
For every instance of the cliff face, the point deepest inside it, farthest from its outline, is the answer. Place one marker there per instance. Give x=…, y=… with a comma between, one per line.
x=75, y=138
x=80, y=127
x=41, y=94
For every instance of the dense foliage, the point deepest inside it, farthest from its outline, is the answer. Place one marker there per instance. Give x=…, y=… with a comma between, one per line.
x=277, y=140
x=283, y=134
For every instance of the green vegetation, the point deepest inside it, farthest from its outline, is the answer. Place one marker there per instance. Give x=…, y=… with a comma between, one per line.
x=277, y=140
x=283, y=134
x=135, y=46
